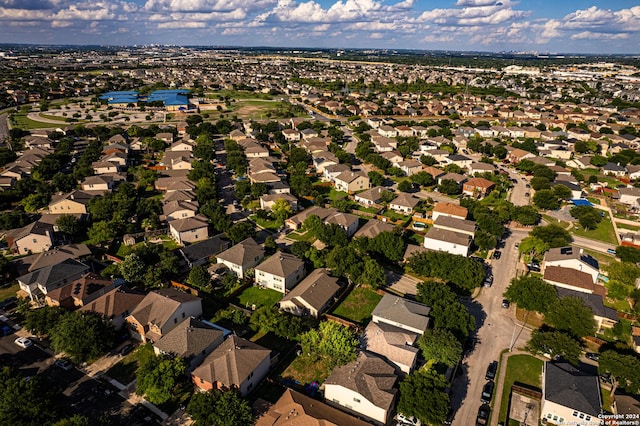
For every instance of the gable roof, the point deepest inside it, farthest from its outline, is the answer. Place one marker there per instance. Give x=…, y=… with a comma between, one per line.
x=592, y=301
x=448, y=236
x=463, y=225
x=393, y=343
x=372, y=228
x=369, y=376
x=205, y=249
x=88, y=286
x=116, y=302
x=280, y=264
x=315, y=290
x=566, y=385
x=398, y=310
x=569, y=253
x=349, y=176
x=242, y=253
x=189, y=338
x=232, y=361
x=572, y=277
x=55, y=273
x=189, y=223
x=450, y=209
x=158, y=306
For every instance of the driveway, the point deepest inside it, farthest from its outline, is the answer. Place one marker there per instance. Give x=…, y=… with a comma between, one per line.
x=497, y=330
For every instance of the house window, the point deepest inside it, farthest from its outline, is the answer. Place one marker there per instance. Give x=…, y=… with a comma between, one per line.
x=581, y=415
x=356, y=400
x=575, y=414
x=35, y=241
x=587, y=418
x=183, y=315
x=175, y=320
x=201, y=381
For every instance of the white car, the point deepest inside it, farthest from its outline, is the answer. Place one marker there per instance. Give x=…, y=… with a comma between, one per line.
x=23, y=342
x=407, y=420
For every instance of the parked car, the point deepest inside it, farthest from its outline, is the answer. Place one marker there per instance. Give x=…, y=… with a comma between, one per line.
x=23, y=342
x=611, y=251
x=487, y=392
x=526, y=194
x=533, y=267
x=497, y=254
x=505, y=303
x=5, y=330
x=492, y=369
x=8, y=303
x=407, y=420
x=126, y=349
x=488, y=281
x=483, y=415
x=63, y=364
x=592, y=356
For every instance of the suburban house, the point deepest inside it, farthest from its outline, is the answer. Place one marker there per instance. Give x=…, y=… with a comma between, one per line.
x=630, y=196
x=312, y=296
x=179, y=210
x=37, y=284
x=346, y=221
x=268, y=200
x=569, y=395
x=330, y=172
x=98, y=184
x=48, y=258
x=296, y=221
x=192, y=340
x=160, y=312
x=392, y=343
x=404, y=203
x=438, y=239
x=351, y=182
x=105, y=167
x=572, y=279
x=235, y=364
x=449, y=209
x=200, y=253
x=461, y=226
x=365, y=387
x=115, y=306
x=369, y=197
x=296, y=409
x=402, y=313
x=36, y=237
x=477, y=187
x=81, y=291
x=74, y=202
x=604, y=316
x=280, y=272
x=572, y=258
x=374, y=227
x=242, y=256
x=189, y=229
x=410, y=167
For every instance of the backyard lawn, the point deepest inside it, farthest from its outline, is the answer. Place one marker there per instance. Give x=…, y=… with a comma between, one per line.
x=306, y=369
x=9, y=291
x=259, y=297
x=523, y=369
x=604, y=232
x=358, y=305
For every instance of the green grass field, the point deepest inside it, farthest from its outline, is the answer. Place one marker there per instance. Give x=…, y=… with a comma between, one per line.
x=358, y=305
x=523, y=369
x=259, y=297
x=604, y=232
x=9, y=291
x=25, y=123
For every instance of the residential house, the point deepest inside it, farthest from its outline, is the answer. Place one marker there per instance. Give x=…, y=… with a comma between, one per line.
x=57, y=254
x=392, y=343
x=114, y=306
x=37, y=284
x=179, y=210
x=312, y=296
x=516, y=155
x=372, y=228
x=454, y=224
x=291, y=135
x=192, y=340
x=236, y=364
x=330, y=172
x=280, y=272
x=459, y=160
x=569, y=395
x=387, y=131
x=160, y=312
x=74, y=202
x=450, y=241
x=97, y=184
x=351, y=182
x=369, y=197
x=296, y=221
x=296, y=409
x=449, y=209
x=576, y=190
x=35, y=237
x=81, y=291
x=572, y=258
x=633, y=170
x=105, y=167
x=365, y=387
x=477, y=187
x=200, y=253
x=572, y=279
x=404, y=203
x=613, y=169
x=189, y=229
x=456, y=177
x=630, y=196
x=604, y=316
x=242, y=257
x=394, y=157
x=480, y=168
x=402, y=313
x=268, y=200
x=410, y=167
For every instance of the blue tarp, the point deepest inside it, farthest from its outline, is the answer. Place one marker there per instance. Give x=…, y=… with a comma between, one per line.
x=581, y=202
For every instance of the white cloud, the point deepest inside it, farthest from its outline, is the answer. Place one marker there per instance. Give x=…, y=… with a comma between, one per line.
x=482, y=13
x=181, y=25
x=206, y=5
x=589, y=35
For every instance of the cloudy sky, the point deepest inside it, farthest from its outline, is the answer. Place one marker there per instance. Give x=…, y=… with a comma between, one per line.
x=604, y=26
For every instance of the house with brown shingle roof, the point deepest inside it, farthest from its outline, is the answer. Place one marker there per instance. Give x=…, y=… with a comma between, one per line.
x=236, y=364
x=242, y=256
x=312, y=296
x=393, y=344
x=449, y=209
x=192, y=340
x=81, y=291
x=477, y=187
x=115, y=305
x=365, y=387
x=572, y=279
x=404, y=203
x=160, y=312
x=280, y=272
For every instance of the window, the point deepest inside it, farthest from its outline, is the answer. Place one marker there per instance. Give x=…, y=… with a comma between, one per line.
x=581, y=415
x=183, y=314
x=175, y=320
x=555, y=418
x=356, y=400
x=587, y=418
x=575, y=414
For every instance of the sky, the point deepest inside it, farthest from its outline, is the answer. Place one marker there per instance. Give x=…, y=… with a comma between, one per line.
x=544, y=26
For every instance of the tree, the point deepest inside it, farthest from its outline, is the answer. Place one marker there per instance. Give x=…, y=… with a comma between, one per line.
x=405, y=186
x=422, y=179
x=628, y=254
x=440, y=346
x=465, y=273
x=389, y=244
x=553, y=344
x=158, y=376
x=428, y=160
x=562, y=192
x=598, y=160
x=423, y=395
x=219, y=408
x=331, y=341
x=240, y=231
x=372, y=274
x=299, y=248
x=42, y=320
x=624, y=272
x=132, y=268
x=531, y=293
x=387, y=196
x=217, y=216
x=375, y=178
x=269, y=319
x=623, y=368
x=281, y=209
x=75, y=420
x=587, y=216
x=570, y=314
x=546, y=199
x=199, y=278
x=83, y=336
x=101, y=232
x=68, y=224
x=525, y=215
x=553, y=235
x=448, y=313
x=449, y=187
x=25, y=402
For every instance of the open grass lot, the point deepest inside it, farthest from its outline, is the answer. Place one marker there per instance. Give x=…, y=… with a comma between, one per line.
x=602, y=258
x=24, y=122
x=604, y=232
x=259, y=297
x=358, y=305
x=627, y=226
x=306, y=369
x=9, y=291
x=522, y=369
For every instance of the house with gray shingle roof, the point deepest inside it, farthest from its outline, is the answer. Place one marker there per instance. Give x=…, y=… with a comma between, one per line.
x=242, y=256
x=312, y=296
x=40, y=282
x=569, y=394
x=365, y=387
x=280, y=272
x=191, y=340
x=402, y=313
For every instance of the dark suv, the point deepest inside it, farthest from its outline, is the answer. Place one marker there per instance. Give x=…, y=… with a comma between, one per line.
x=492, y=369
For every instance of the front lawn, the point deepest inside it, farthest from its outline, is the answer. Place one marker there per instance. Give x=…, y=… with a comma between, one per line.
x=358, y=305
x=604, y=232
x=259, y=297
x=521, y=369
x=125, y=370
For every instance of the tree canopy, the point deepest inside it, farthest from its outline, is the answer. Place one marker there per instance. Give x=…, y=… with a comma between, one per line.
x=219, y=408
x=83, y=336
x=465, y=273
x=331, y=341
x=158, y=376
x=423, y=395
x=531, y=293
x=554, y=343
x=441, y=346
x=569, y=314
x=623, y=368
x=553, y=235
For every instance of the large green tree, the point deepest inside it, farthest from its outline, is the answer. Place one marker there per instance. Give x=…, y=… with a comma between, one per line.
x=240, y=231
x=440, y=346
x=158, y=377
x=554, y=343
x=531, y=293
x=132, y=268
x=26, y=402
x=554, y=235
x=423, y=395
x=219, y=408
x=623, y=368
x=331, y=341
x=570, y=314
x=84, y=336
x=199, y=278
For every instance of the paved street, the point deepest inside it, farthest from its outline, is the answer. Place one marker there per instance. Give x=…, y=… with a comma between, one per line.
x=495, y=333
